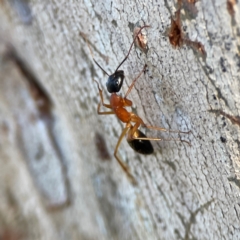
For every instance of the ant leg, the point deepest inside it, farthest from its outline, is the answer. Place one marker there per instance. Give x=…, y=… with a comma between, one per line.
x=145, y=26
x=103, y=113
x=122, y=164
x=166, y=130
x=163, y=139
x=139, y=122
x=132, y=84
x=101, y=96
x=102, y=102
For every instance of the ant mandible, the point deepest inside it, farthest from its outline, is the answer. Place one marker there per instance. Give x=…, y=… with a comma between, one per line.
x=135, y=138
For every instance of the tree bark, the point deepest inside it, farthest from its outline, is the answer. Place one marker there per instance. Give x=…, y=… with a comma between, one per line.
x=58, y=176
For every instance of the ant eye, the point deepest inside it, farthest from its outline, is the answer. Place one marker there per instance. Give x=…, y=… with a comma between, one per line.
x=115, y=82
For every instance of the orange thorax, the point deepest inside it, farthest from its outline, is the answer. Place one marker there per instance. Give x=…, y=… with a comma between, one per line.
x=118, y=105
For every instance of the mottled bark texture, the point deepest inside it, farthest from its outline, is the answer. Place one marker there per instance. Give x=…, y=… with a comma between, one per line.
x=58, y=176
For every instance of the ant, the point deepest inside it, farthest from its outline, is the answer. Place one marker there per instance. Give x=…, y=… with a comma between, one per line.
x=137, y=140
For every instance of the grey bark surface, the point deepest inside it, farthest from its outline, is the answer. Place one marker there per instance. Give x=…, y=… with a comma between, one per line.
x=55, y=183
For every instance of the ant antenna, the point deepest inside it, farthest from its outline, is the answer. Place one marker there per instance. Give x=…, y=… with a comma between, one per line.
x=83, y=35
x=145, y=26
x=100, y=67
x=86, y=40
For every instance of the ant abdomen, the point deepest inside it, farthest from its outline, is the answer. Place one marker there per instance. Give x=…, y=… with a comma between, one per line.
x=139, y=145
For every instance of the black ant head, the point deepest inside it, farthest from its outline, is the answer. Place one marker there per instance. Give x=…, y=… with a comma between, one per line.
x=115, y=81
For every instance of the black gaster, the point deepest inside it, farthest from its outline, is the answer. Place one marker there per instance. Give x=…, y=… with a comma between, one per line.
x=115, y=81
x=141, y=146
